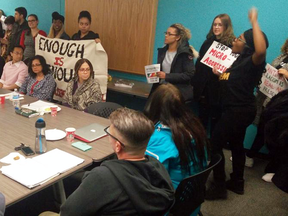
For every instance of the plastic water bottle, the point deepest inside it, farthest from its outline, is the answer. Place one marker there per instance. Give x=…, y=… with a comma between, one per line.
x=15, y=94
x=15, y=99
x=40, y=140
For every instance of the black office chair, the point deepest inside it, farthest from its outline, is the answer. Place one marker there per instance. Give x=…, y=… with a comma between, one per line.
x=103, y=109
x=191, y=191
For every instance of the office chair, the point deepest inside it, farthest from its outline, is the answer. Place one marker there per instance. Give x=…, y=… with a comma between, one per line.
x=190, y=193
x=103, y=109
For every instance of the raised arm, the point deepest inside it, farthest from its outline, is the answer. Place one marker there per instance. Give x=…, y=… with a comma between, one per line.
x=259, y=40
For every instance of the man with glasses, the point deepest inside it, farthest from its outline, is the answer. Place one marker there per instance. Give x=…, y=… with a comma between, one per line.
x=15, y=71
x=133, y=184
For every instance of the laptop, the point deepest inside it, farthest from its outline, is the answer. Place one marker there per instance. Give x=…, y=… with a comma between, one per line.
x=90, y=132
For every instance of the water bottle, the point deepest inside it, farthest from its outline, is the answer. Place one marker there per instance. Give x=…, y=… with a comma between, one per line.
x=15, y=99
x=40, y=140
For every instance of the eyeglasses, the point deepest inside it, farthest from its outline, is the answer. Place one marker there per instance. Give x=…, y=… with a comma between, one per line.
x=169, y=34
x=18, y=53
x=35, y=65
x=240, y=39
x=107, y=131
x=82, y=70
x=31, y=21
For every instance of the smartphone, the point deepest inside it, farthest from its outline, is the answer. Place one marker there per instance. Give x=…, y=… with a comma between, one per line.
x=27, y=151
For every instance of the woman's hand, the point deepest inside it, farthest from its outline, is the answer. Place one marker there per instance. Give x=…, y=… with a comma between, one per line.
x=214, y=70
x=253, y=15
x=97, y=40
x=161, y=74
x=284, y=72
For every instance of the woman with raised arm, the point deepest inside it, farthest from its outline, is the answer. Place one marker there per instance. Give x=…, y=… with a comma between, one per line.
x=237, y=85
x=205, y=83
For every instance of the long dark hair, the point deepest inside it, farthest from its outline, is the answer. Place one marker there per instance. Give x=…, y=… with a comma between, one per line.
x=166, y=105
x=45, y=67
x=227, y=36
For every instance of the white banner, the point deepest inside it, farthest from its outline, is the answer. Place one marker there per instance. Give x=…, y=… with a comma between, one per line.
x=220, y=56
x=62, y=55
x=272, y=82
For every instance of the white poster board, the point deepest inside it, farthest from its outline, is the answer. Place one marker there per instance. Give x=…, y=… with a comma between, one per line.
x=62, y=55
x=272, y=82
x=220, y=56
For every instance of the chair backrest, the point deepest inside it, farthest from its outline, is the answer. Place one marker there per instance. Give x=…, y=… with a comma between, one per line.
x=103, y=109
x=191, y=191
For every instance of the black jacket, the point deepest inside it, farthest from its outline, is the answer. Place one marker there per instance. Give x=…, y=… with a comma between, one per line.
x=182, y=69
x=121, y=187
x=16, y=35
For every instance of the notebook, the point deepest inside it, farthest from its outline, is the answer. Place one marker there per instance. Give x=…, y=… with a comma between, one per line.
x=90, y=133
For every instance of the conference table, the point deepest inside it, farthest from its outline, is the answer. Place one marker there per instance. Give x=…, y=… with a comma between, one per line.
x=16, y=129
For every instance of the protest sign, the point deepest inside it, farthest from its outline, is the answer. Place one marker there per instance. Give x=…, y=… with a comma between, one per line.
x=62, y=55
x=272, y=82
x=220, y=56
x=151, y=73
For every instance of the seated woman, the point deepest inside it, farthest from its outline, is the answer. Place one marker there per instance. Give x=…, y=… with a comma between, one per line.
x=40, y=82
x=82, y=90
x=179, y=139
x=84, y=33
x=57, y=27
x=27, y=40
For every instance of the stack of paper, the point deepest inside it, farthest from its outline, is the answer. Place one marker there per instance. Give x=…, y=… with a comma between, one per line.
x=38, y=170
x=40, y=106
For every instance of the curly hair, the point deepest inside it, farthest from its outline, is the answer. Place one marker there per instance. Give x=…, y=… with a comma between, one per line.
x=227, y=36
x=284, y=48
x=183, y=32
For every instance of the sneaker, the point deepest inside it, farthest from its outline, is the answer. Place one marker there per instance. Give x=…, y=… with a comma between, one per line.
x=268, y=177
x=249, y=162
x=237, y=186
x=216, y=192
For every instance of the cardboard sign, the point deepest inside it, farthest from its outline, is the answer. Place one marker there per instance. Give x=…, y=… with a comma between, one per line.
x=220, y=56
x=62, y=55
x=272, y=82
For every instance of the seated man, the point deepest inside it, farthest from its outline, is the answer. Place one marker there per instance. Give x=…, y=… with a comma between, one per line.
x=2, y=204
x=134, y=184
x=15, y=71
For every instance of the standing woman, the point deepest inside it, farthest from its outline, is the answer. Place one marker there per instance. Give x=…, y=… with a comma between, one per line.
x=27, y=40
x=176, y=60
x=84, y=24
x=239, y=108
x=39, y=83
x=205, y=83
x=57, y=27
x=83, y=90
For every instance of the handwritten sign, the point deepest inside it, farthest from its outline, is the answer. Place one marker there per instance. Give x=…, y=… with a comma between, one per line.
x=272, y=82
x=151, y=73
x=220, y=56
x=62, y=55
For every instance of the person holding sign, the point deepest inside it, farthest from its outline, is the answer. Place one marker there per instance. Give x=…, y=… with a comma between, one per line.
x=83, y=90
x=84, y=33
x=280, y=64
x=239, y=108
x=27, y=40
x=176, y=60
x=57, y=27
x=205, y=83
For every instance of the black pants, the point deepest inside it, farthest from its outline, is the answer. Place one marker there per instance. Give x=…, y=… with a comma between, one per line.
x=231, y=128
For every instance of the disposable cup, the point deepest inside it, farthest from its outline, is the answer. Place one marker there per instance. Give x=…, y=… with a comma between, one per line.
x=53, y=110
x=2, y=99
x=70, y=134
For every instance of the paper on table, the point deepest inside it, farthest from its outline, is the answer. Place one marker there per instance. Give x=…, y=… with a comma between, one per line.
x=8, y=95
x=9, y=159
x=35, y=171
x=151, y=73
x=40, y=106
